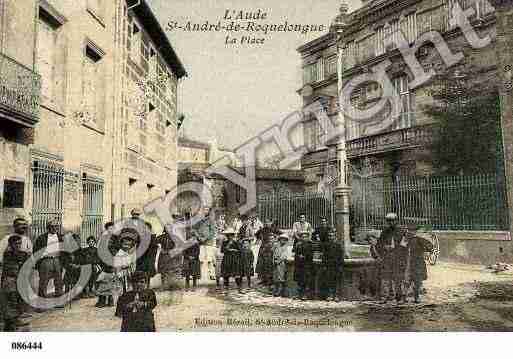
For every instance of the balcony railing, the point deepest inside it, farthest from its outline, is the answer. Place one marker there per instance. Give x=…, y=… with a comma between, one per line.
x=20, y=91
x=389, y=141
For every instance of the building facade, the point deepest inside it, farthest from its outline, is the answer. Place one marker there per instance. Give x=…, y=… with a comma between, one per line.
x=72, y=149
x=369, y=39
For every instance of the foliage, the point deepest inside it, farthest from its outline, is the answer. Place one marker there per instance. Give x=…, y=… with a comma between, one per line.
x=468, y=139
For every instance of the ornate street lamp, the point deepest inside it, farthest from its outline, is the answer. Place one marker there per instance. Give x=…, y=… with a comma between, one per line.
x=342, y=190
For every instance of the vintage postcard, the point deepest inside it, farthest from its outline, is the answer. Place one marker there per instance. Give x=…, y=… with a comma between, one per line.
x=256, y=166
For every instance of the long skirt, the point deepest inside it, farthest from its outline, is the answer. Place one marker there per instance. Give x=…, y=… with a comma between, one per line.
x=191, y=268
x=230, y=266
x=264, y=266
x=246, y=264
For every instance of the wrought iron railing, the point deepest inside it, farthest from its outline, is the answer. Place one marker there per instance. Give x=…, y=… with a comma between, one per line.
x=92, y=208
x=402, y=138
x=20, y=88
x=472, y=202
x=285, y=208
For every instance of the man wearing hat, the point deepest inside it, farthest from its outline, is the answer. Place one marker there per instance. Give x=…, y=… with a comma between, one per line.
x=389, y=251
x=49, y=265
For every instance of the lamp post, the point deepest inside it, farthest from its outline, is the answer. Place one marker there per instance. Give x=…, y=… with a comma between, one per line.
x=342, y=190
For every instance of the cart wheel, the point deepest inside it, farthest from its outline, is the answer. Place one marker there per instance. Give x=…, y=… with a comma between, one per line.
x=432, y=257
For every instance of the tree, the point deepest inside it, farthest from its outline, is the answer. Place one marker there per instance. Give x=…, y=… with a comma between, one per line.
x=467, y=110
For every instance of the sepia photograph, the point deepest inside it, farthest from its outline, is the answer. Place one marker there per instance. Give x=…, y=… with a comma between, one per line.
x=255, y=166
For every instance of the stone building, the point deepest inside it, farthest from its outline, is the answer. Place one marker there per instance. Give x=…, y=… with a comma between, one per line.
x=370, y=38
x=76, y=144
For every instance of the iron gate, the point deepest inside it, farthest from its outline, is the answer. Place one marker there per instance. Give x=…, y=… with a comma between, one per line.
x=92, y=208
x=47, y=194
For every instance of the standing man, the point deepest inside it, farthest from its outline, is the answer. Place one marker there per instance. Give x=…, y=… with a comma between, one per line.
x=14, y=258
x=332, y=264
x=386, y=247
x=299, y=227
x=49, y=265
x=20, y=229
x=321, y=232
x=303, y=266
x=417, y=271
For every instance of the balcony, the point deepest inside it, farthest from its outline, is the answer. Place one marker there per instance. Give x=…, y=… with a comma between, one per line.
x=20, y=90
x=390, y=141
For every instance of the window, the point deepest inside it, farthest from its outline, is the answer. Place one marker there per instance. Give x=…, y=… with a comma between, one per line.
x=351, y=54
x=93, y=89
x=406, y=100
x=380, y=41
x=135, y=44
x=313, y=72
x=46, y=47
x=409, y=27
x=13, y=194
x=356, y=101
x=330, y=65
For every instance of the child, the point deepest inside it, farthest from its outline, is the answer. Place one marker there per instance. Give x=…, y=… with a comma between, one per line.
x=280, y=255
x=135, y=307
x=191, y=266
x=89, y=256
x=246, y=262
x=219, y=260
x=230, y=267
x=14, y=258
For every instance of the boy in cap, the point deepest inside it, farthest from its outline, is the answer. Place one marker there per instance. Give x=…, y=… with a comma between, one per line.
x=135, y=307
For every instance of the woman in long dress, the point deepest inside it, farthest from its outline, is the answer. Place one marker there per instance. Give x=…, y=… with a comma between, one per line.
x=230, y=266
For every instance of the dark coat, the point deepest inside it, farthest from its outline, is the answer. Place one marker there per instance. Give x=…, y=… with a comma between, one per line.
x=141, y=320
x=393, y=256
x=332, y=262
x=264, y=265
x=11, y=306
x=191, y=262
x=303, y=262
x=41, y=242
x=322, y=232
x=230, y=266
x=70, y=263
x=146, y=262
x=247, y=259
x=417, y=267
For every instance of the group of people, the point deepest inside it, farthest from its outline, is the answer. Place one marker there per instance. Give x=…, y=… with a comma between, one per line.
x=317, y=267
x=400, y=262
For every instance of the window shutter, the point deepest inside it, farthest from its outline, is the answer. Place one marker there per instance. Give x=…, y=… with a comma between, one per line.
x=61, y=71
x=45, y=63
x=101, y=82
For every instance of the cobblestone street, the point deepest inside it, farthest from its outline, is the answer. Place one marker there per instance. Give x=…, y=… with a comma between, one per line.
x=459, y=298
